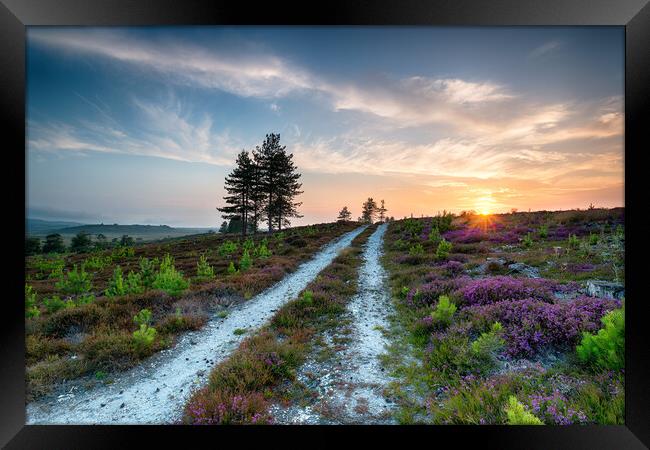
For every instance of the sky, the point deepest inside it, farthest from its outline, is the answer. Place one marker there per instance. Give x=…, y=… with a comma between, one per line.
x=142, y=124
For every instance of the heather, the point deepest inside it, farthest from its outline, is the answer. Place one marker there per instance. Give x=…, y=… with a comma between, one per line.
x=505, y=330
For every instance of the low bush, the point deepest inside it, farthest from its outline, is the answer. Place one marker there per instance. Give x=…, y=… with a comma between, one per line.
x=169, y=279
x=148, y=271
x=31, y=310
x=518, y=415
x=245, y=262
x=606, y=348
x=443, y=312
x=489, y=343
x=203, y=269
x=145, y=334
x=444, y=247
x=75, y=281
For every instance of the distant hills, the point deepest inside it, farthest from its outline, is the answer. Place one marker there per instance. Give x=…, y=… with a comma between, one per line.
x=41, y=228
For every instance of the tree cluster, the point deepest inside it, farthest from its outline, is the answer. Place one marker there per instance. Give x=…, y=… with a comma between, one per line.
x=261, y=189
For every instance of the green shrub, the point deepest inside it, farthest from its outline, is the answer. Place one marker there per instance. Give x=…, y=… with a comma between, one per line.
x=227, y=248
x=98, y=262
x=169, y=279
x=248, y=245
x=488, y=344
x=527, y=241
x=55, y=304
x=573, y=241
x=444, y=311
x=606, y=349
x=262, y=251
x=145, y=334
x=75, y=282
x=593, y=239
x=31, y=310
x=444, y=247
x=416, y=249
x=116, y=286
x=245, y=261
x=404, y=292
x=43, y=265
x=239, y=331
x=543, y=231
x=148, y=271
x=84, y=299
x=231, y=269
x=517, y=414
x=434, y=236
x=203, y=269
x=122, y=252
x=134, y=283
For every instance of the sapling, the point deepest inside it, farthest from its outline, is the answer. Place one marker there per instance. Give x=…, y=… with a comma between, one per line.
x=31, y=310
x=245, y=261
x=75, y=281
x=203, y=269
x=444, y=247
x=145, y=334
x=517, y=414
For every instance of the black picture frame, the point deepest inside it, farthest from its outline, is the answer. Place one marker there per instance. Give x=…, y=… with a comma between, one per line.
x=634, y=15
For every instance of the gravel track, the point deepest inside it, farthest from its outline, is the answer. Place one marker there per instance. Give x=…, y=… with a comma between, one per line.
x=350, y=384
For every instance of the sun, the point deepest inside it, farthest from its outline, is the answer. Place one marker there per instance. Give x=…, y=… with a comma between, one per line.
x=484, y=212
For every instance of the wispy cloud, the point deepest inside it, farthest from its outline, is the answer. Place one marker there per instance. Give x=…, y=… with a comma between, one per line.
x=545, y=49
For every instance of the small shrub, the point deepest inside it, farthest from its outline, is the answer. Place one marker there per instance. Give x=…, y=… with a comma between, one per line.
x=227, y=248
x=145, y=335
x=527, y=241
x=231, y=269
x=75, y=282
x=248, y=245
x=134, y=283
x=84, y=299
x=239, y=331
x=488, y=344
x=416, y=250
x=573, y=241
x=203, y=269
x=434, y=236
x=169, y=279
x=97, y=262
x=116, y=286
x=444, y=311
x=543, y=231
x=148, y=271
x=31, y=310
x=444, y=247
x=593, y=239
x=404, y=292
x=517, y=414
x=262, y=251
x=245, y=261
x=55, y=304
x=605, y=349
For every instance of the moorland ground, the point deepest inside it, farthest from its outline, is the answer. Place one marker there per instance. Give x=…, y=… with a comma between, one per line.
x=499, y=319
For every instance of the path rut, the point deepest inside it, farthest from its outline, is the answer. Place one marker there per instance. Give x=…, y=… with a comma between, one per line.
x=156, y=391
x=350, y=384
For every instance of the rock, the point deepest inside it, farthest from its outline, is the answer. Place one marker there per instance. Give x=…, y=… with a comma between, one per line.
x=598, y=288
x=122, y=406
x=192, y=342
x=524, y=269
x=102, y=404
x=157, y=389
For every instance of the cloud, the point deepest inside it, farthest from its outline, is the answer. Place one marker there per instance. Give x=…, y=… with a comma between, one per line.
x=545, y=49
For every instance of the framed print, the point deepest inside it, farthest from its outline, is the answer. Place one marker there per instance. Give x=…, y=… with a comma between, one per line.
x=391, y=219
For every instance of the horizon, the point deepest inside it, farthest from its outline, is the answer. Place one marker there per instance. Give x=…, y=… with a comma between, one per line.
x=140, y=125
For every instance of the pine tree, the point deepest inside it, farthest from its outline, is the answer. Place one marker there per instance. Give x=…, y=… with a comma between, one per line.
x=344, y=214
x=238, y=186
x=278, y=181
x=382, y=212
x=368, y=210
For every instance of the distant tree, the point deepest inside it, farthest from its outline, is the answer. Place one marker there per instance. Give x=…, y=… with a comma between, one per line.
x=235, y=225
x=126, y=241
x=81, y=243
x=32, y=245
x=238, y=186
x=368, y=210
x=101, y=243
x=344, y=214
x=224, y=227
x=53, y=244
x=382, y=211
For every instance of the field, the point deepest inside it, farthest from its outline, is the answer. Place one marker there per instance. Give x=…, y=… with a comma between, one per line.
x=80, y=315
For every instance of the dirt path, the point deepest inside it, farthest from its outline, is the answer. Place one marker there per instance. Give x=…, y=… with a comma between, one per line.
x=349, y=383
x=156, y=391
